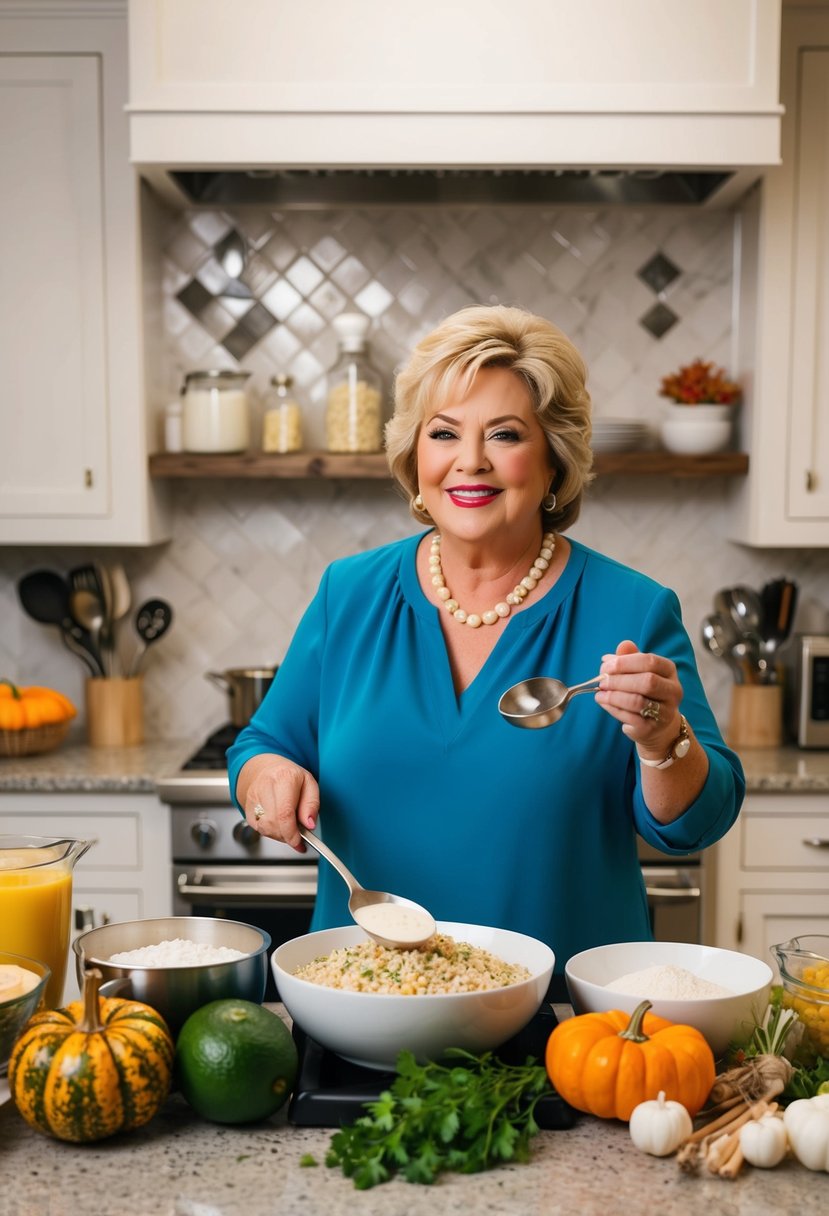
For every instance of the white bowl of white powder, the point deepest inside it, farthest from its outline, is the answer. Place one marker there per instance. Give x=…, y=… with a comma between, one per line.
x=176, y=964
x=720, y=992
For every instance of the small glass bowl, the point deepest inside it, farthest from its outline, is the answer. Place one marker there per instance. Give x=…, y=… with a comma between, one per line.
x=15, y=1012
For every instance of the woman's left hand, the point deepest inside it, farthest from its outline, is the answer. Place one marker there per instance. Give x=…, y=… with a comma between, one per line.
x=635, y=682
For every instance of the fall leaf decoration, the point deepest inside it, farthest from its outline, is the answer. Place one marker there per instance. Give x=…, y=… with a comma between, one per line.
x=700, y=383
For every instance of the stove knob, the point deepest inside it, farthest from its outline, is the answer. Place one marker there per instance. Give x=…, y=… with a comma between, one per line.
x=244, y=834
x=204, y=833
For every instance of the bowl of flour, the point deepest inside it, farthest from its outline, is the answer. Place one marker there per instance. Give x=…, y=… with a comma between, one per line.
x=176, y=964
x=720, y=992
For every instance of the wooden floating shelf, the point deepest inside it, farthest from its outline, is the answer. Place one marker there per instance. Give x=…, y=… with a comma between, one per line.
x=373, y=467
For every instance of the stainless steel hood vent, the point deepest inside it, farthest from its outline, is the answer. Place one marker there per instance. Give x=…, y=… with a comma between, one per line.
x=306, y=188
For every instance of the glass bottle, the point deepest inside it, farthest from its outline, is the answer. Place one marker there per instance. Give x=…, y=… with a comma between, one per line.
x=282, y=422
x=353, y=417
x=216, y=412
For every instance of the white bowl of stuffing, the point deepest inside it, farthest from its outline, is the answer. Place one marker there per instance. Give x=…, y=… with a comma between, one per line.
x=720, y=992
x=470, y=986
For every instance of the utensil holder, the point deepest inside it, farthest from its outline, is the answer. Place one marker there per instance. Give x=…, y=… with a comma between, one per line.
x=756, y=716
x=115, y=712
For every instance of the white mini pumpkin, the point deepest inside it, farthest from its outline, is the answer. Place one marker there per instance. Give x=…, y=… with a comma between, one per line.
x=659, y=1127
x=763, y=1141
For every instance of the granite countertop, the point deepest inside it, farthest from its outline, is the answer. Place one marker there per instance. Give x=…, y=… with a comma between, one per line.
x=179, y=1165
x=137, y=769
x=77, y=767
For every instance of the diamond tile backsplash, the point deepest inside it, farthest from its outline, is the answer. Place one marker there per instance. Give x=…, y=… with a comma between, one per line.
x=246, y=557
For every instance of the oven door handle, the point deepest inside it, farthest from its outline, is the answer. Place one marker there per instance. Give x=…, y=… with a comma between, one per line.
x=667, y=886
x=196, y=893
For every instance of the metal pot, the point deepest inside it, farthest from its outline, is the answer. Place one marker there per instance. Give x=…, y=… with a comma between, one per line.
x=245, y=686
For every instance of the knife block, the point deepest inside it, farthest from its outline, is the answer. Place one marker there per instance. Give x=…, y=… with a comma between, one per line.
x=115, y=712
x=756, y=716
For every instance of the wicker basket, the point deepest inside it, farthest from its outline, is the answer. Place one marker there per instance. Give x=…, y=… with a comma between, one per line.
x=31, y=740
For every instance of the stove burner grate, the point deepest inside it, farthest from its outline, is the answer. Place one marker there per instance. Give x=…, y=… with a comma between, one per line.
x=211, y=754
x=331, y=1091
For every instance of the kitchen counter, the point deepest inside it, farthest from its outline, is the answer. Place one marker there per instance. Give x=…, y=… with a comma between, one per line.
x=137, y=769
x=179, y=1165
x=104, y=769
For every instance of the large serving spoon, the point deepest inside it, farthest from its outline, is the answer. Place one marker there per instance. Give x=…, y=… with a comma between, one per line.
x=152, y=620
x=540, y=701
x=87, y=608
x=44, y=596
x=719, y=636
x=391, y=920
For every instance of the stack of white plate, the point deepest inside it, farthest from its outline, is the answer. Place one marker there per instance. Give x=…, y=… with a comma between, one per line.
x=619, y=434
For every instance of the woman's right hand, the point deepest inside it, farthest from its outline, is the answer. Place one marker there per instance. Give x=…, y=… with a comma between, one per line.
x=277, y=796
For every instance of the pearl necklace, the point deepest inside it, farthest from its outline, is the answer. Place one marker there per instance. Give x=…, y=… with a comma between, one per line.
x=516, y=596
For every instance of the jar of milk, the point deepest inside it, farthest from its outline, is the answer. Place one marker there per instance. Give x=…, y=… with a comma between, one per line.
x=216, y=412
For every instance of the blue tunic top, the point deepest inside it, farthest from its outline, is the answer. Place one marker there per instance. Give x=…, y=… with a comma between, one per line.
x=434, y=796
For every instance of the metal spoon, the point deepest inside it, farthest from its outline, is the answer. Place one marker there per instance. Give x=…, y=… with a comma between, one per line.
x=719, y=636
x=152, y=621
x=422, y=922
x=540, y=701
x=87, y=608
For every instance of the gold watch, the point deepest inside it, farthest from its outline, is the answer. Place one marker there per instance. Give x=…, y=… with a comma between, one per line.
x=678, y=749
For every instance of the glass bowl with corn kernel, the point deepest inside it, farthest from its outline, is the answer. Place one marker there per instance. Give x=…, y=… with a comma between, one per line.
x=804, y=974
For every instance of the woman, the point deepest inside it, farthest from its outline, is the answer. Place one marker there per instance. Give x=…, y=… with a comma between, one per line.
x=383, y=720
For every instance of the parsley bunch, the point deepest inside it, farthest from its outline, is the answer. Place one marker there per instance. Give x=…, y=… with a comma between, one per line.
x=467, y=1117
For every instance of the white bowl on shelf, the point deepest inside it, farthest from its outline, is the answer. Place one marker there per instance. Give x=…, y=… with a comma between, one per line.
x=695, y=430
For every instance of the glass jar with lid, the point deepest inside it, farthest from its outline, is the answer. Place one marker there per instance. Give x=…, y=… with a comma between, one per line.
x=216, y=412
x=353, y=416
x=282, y=423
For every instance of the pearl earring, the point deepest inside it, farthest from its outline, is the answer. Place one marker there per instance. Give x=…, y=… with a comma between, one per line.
x=418, y=504
x=548, y=502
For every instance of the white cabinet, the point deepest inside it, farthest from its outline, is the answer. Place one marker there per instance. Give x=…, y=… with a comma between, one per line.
x=76, y=431
x=772, y=873
x=368, y=83
x=126, y=875
x=784, y=310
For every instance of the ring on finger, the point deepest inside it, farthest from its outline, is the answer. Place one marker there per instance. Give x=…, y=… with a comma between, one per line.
x=651, y=710
x=258, y=811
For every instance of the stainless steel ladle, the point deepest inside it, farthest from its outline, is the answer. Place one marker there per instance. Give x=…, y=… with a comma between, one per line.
x=411, y=925
x=540, y=701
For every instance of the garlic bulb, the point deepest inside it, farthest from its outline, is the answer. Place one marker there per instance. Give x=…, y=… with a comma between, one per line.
x=659, y=1127
x=763, y=1141
x=807, y=1126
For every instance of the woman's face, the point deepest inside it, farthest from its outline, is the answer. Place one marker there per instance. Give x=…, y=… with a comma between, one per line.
x=484, y=463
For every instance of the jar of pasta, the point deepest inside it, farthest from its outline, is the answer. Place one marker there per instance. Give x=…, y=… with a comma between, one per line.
x=282, y=423
x=353, y=416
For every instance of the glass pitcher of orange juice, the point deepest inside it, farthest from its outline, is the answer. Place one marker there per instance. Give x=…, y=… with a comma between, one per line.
x=36, y=902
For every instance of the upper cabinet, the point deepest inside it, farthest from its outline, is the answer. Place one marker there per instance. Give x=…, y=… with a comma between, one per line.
x=784, y=310
x=75, y=434
x=369, y=84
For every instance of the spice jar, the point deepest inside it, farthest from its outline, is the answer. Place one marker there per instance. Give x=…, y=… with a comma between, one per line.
x=282, y=423
x=353, y=418
x=216, y=412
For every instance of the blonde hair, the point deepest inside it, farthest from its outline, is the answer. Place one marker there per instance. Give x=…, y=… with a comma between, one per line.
x=445, y=363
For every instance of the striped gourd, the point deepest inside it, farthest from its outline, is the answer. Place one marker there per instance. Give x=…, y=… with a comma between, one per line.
x=92, y=1069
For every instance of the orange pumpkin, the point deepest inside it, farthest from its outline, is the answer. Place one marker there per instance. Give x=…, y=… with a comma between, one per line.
x=607, y=1063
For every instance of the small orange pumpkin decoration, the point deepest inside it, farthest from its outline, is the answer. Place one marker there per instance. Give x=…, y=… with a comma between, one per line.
x=607, y=1063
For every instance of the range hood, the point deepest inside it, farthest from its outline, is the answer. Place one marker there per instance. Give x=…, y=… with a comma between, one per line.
x=326, y=104
x=310, y=188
